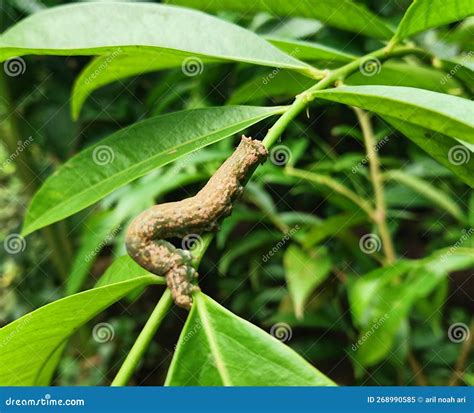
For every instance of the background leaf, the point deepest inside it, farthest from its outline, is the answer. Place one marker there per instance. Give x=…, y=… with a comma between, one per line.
x=428, y=191
x=343, y=14
x=426, y=14
x=444, y=149
x=304, y=271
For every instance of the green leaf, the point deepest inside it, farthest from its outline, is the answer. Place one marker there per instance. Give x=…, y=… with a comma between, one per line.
x=227, y=350
x=283, y=83
x=363, y=290
x=442, y=113
x=445, y=150
x=123, y=269
x=109, y=68
x=332, y=226
x=132, y=152
x=286, y=84
x=428, y=191
x=27, y=344
x=310, y=51
x=78, y=29
x=343, y=14
x=426, y=14
x=403, y=74
x=304, y=271
x=382, y=300
x=104, y=70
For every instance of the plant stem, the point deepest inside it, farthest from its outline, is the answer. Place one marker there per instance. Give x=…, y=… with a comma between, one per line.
x=417, y=369
x=143, y=341
x=380, y=214
x=302, y=100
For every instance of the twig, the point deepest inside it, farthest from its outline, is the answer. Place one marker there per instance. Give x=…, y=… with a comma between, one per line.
x=380, y=215
x=417, y=369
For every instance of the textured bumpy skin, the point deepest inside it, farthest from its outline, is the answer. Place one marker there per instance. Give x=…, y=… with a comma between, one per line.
x=201, y=213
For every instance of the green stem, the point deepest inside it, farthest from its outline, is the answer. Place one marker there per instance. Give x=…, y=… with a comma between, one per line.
x=302, y=100
x=380, y=214
x=143, y=341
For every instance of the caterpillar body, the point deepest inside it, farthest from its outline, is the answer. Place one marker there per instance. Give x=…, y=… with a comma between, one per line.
x=146, y=236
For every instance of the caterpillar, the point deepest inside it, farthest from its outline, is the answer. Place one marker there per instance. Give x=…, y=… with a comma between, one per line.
x=146, y=236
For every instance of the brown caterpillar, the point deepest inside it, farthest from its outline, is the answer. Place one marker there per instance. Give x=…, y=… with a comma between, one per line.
x=201, y=213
